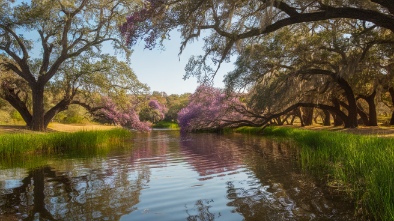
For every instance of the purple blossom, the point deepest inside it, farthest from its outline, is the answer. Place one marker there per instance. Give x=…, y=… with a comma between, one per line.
x=137, y=24
x=125, y=117
x=209, y=107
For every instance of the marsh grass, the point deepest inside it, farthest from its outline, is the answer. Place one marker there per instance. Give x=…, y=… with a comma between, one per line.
x=361, y=166
x=247, y=130
x=19, y=144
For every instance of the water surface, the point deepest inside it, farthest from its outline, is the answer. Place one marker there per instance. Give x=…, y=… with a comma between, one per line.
x=168, y=176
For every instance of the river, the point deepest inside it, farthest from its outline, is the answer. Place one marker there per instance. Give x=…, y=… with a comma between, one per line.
x=168, y=176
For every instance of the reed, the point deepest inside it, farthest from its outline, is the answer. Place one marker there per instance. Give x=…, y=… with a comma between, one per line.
x=14, y=145
x=360, y=165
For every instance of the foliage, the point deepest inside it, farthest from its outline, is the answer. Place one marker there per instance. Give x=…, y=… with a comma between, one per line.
x=319, y=65
x=75, y=114
x=174, y=104
x=70, y=66
x=235, y=24
x=298, y=43
x=166, y=125
x=126, y=117
x=209, y=108
x=153, y=112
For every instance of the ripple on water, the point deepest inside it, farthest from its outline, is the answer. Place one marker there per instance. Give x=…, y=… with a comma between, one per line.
x=166, y=177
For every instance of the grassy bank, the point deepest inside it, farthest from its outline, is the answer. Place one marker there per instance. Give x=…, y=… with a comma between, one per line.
x=16, y=144
x=166, y=125
x=360, y=165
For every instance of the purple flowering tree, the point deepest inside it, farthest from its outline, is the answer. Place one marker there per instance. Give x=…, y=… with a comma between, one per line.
x=153, y=112
x=159, y=109
x=112, y=113
x=211, y=108
x=139, y=23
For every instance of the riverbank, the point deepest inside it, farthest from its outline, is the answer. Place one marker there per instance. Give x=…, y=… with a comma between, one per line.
x=55, y=127
x=166, y=125
x=17, y=140
x=359, y=165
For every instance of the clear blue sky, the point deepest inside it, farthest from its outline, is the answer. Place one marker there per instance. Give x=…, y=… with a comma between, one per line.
x=164, y=70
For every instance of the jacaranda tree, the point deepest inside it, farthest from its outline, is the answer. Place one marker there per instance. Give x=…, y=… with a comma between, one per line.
x=112, y=113
x=212, y=108
x=154, y=111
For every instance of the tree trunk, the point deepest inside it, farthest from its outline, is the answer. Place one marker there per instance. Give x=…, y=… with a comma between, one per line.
x=373, y=119
x=391, y=91
x=351, y=121
x=337, y=120
x=363, y=116
x=37, y=122
x=61, y=106
x=352, y=109
x=327, y=118
x=307, y=115
x=392, y=118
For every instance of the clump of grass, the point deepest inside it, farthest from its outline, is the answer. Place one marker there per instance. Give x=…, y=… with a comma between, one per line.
x=166, y=125
x=13, y=145
x=249, y=130
x=360, y=165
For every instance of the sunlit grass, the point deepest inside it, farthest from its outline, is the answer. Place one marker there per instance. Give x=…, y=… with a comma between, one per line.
x=13, y=145
x=248, y=130
x=360, y=165
x=166, y=125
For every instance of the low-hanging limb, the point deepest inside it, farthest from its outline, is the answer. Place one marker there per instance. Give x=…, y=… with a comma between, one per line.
x=267, y=118
x=11, y=95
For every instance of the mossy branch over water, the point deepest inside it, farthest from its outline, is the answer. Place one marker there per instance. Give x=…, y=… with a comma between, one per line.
x=13, y=145
x=360, y=165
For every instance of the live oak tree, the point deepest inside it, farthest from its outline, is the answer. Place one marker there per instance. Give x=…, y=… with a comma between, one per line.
x=234, y=24
x=58, y=44
x=229, y=27
x=333, y=62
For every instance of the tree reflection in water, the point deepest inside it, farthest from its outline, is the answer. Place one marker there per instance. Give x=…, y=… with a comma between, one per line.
x=202, y=208
x=167, y=177
x=276, y=188
x=97, y=194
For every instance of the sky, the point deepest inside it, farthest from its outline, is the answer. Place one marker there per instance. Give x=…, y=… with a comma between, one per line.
x=164, y=70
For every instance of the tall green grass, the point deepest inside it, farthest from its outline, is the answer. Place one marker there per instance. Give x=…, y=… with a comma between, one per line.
x=166, y=125
x=248, y=130
x=14, y=145
x=360, y=165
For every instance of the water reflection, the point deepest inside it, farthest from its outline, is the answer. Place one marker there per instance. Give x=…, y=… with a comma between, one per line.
x=201, y=207
x=76, y=194
x=275, y=188
x=211, y=156
x=171, y=177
